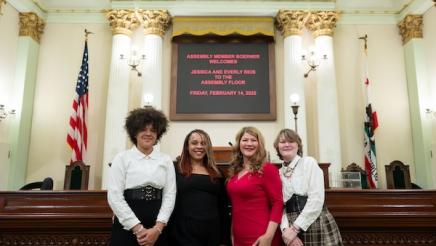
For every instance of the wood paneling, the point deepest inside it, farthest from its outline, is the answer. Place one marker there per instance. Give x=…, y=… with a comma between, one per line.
x=365, y=217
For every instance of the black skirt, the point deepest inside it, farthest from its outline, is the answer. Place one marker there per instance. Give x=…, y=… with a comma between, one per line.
x=146, y=212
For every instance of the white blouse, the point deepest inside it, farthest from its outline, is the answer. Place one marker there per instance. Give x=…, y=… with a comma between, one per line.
x=133, y=169
x=306, y=180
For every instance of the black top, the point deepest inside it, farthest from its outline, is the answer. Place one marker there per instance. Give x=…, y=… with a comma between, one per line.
x=197, y=196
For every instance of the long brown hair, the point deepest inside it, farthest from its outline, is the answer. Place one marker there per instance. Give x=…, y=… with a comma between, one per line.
x=258, y=158
x=185, y=167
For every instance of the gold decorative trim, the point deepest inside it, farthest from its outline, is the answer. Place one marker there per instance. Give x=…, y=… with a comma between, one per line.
x=1, y=4
x=223, y=26
x=291, y=22
x=122, y=21
x=155, y=21
x=322, y=23
x=411, y=27
x=31, y=25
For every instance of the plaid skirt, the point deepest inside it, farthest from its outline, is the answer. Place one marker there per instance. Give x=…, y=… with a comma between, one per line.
x=323, y=232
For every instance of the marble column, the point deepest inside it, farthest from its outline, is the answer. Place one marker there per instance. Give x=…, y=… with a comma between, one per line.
x=31, y=29
x=122, y=23
x=418, y=88
x=322, y=23
x=155, y=23
x=290, y=23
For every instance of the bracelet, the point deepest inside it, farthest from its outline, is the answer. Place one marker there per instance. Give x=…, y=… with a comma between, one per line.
x=158, y=229
x=139, y=230
x=294, y=229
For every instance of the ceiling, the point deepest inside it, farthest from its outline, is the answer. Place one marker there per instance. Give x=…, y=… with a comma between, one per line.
x=376, y=6
x=353, y=11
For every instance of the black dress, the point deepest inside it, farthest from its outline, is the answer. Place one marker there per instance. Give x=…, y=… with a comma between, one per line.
x=201, y=214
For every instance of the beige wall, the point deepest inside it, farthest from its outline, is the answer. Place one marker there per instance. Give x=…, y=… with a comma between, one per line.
x=60, y=58
x=59, y=62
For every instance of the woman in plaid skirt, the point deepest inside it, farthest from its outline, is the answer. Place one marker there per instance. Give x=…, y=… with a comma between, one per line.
x=306, y=220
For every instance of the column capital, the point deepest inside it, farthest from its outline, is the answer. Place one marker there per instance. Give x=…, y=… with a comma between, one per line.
x=291, y=22
x=322, y=23
x=411, y=27
x=122, y=21
x=1, y=5
x=155, y=21
x=31, y=25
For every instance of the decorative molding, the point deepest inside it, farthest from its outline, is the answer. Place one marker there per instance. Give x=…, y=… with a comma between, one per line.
x=389, y=238
x=291, y=22
x=56, y=239
x=411, y=27
x=322, y=23
x=1, y=4
x=155, y=21
x=122, y=21
x=31, y=25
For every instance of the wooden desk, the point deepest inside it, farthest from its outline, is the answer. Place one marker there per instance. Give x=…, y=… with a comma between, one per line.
x=365, y=217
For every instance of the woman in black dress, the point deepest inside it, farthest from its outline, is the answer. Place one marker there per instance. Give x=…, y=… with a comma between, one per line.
x=201, y=215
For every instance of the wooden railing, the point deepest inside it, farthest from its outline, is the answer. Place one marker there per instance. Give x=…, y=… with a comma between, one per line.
x=365, y=217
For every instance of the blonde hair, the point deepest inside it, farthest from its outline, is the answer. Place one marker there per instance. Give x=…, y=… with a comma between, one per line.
x=257, y=160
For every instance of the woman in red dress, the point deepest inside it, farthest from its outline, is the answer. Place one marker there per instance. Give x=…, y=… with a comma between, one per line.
x=255, y=192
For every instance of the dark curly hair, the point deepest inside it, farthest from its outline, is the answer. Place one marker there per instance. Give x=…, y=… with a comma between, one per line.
x=139, y=118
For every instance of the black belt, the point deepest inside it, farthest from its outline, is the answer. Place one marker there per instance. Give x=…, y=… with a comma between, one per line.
x=148, y=193
x=295, y=203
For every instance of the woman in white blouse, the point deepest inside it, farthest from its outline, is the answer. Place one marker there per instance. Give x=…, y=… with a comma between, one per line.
x=141, y=184
x=306, y=220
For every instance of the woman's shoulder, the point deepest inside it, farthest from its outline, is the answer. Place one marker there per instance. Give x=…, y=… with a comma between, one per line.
x=269, y=167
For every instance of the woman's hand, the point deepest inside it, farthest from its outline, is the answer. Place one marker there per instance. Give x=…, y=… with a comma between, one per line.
x=264, y=240
x=148, y=237
x=289, y=235
x=296, y=242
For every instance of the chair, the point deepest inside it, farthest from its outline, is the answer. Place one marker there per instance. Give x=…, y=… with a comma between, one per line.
x=46, y=184
x=353, y=167
x=398, y=175
x=76, y=176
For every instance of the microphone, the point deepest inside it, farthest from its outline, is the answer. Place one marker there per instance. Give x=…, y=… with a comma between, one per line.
x=230, y=143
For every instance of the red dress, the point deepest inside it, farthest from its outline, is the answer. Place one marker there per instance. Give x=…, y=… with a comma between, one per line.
x=256, y=200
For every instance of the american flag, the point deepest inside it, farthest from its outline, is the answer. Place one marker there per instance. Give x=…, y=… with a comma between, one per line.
x=370, y=125
x=78, y=133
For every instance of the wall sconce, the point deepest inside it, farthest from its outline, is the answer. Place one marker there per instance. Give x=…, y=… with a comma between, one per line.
x=431, y=112
x=134, y=61
x=148, y=100
x=295, y=98
x=6, y=113
x=313, y=60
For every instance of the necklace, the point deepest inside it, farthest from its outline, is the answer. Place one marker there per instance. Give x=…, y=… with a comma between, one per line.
x=288, y=170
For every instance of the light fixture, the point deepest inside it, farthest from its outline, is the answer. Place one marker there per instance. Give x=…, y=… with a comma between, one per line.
x=148, y=99
x=295, y=98
x=4, y=113
x=431, y=112
x=134, y=61
x=313, y=60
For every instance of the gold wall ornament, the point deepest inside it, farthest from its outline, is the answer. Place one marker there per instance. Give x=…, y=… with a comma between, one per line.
x=155, y=21
x=1, y=5
x=122, y=21
x=411, y=27
x=322, y=23
x=291, y=22
x=31, y=25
